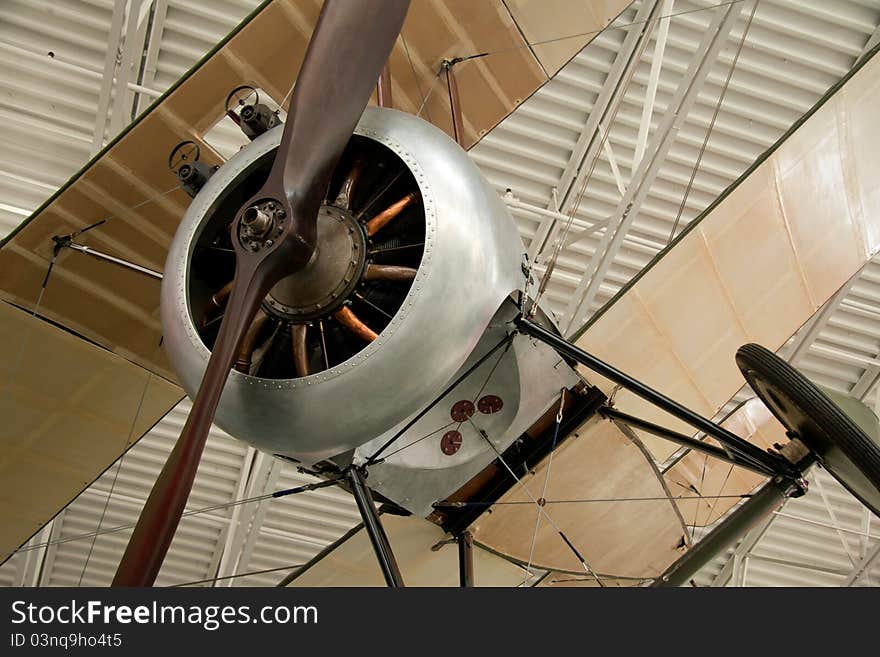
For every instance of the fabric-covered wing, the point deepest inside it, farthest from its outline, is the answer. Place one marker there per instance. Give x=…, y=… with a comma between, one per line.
x=594, y=478
x=69, y=409
x=754, y=268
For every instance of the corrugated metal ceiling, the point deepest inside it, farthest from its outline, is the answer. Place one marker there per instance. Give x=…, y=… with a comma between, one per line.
x=56, y=111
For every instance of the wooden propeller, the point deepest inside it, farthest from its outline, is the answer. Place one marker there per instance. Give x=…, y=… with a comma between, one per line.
x=274, y=235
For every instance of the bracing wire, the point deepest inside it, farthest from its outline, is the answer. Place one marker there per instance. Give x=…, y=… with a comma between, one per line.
x=617, y=102
x=543, y=498
x=715, y=112
x=541, y=510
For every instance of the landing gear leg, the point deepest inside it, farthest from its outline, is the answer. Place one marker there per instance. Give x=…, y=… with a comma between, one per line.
x=465, y=559
x=374, y=529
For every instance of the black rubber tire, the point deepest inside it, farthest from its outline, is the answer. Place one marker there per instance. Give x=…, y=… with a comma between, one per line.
x=838, y=442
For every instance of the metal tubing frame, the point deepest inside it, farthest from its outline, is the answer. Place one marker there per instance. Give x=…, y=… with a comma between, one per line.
x=373, y=526
x=82, y=248
x=454, y=102
x=465, y=542
x=769, y=498
x=681, y=439
x=731, y=442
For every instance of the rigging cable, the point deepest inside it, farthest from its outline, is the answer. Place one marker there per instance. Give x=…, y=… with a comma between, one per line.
x=622, y=26
x=543, y=499
x=541, y=510
x=632, y=65
x=696, y=167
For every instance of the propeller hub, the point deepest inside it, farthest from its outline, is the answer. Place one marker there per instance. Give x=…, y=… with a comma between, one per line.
x=330, y=277
x=261, y=224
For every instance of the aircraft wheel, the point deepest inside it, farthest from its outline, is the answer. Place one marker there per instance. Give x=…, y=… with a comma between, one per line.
x=838, y=442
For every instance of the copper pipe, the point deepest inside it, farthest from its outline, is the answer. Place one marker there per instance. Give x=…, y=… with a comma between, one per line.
x=389, y=273
x=353, y=323
x=221, y=296
x=218, y=300
x=383, y=87
x=379, y=222
x=346, y=191
x=249, y=343
x=454, y=105
x=300, y=353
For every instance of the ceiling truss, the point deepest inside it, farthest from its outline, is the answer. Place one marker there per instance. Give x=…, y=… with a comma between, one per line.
x=840, y=347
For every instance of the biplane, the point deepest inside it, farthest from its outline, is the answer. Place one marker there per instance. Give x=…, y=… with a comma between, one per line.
x=348, y=294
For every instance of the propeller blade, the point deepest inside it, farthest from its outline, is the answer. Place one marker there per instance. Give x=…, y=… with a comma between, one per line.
x=155, y=529
x=382, y=219
x=349, y=48
x=353, y=323
x=300, y=353
x=274, y=235
x=389, y=273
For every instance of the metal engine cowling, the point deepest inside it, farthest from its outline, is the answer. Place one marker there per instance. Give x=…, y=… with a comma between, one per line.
x=469, y=263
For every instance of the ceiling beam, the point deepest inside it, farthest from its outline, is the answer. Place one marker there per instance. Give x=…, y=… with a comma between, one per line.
x=796, y=564
x=866, y=381
x=153, y=46
x=829, y=507
x=225, y=551
x=714, y=39
x=653, y=79
x=734, y=566
x=111, y=61
x=860, y=568
x=239, y=545
x=589, y=141
x=872, y=41
x=130, y=58
x=805, y=338
x=48, y=561
x=612, y=162
x=867, y=514
x=31, y=564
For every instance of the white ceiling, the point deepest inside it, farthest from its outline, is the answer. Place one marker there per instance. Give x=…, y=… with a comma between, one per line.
x=794, y=51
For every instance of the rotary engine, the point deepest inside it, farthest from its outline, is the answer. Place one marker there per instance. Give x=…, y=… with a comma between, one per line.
x=416, y=254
